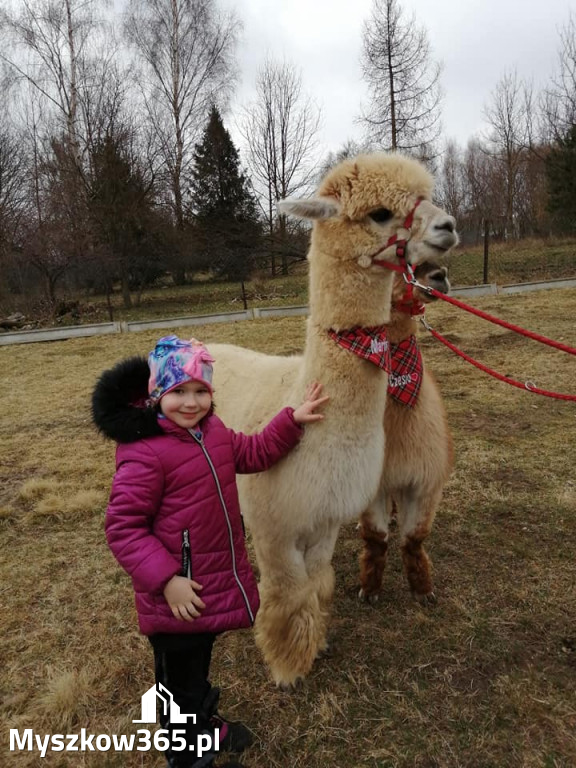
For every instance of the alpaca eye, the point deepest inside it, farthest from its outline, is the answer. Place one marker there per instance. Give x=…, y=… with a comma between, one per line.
x=380, y=215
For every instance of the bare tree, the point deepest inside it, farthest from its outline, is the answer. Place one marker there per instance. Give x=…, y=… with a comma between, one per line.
x=349, y=148
x=484, y=199
x=55, y=37
x=508, y=141
x=66, y=54
x=187, y=50
x=280, y=129
x=451, y=187
x=559, y=101
x=105, y=103
x=404, y=82
x=12, y=201
x=12, y=179
x=56, y=232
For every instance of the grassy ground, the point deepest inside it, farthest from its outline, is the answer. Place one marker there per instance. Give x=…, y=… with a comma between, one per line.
x=485, y=679
x=515, y=262
x=204, y=298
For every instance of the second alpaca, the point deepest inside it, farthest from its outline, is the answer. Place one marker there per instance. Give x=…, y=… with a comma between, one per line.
x=417, y=464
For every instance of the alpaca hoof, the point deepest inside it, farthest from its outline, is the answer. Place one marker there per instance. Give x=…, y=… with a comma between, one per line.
x=326, y=652
x=370, y=599
x=290, y=687
x=426, y=600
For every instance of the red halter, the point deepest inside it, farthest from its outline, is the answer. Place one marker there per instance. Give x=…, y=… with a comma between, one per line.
x=407, y=303
x=400, y=243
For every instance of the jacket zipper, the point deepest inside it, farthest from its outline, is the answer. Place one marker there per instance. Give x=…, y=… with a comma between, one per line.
x=200, y=441
x=186, y=555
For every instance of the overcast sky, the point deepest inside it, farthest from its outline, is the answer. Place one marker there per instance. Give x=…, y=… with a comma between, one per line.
x=476, y=40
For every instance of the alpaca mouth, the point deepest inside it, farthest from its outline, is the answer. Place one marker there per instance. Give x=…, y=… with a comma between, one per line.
x=438, y=248
x=439, y=284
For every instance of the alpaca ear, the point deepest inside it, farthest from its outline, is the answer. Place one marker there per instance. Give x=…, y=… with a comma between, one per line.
x=311, y=208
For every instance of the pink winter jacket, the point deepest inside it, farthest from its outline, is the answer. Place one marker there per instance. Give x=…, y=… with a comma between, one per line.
x=174, y=510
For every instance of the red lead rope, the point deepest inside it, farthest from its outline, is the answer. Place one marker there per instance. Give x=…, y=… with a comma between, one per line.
x=497, y=321
x=526, y=386
x=406, y=269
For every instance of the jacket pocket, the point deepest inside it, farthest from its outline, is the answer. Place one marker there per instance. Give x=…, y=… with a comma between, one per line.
x=186, y=555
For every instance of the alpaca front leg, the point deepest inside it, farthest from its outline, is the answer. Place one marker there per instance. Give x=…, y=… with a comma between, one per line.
x=324, y=582
x=289, y=629
x=374, y=523
x=415, y=519
x=317, y=557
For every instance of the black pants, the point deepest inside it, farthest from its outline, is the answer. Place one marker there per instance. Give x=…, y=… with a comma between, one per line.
x=182, y=665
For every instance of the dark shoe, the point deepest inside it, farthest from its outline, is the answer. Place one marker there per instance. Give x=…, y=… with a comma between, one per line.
x=188, y=761
x=209, y=764
x=234, y=736
x=230, y=764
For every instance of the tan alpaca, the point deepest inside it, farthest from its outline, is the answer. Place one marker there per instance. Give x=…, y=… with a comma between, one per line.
x=294, y=511
x=417, y=464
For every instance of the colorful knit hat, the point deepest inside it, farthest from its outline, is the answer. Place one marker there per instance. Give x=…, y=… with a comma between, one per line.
x=174, y=362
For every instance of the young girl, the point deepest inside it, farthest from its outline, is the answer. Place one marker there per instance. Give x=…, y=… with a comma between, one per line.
x=174, y=522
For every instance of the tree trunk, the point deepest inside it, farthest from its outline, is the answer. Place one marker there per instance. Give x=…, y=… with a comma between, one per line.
x=126, y=298
x=393, y=131
x=283, y=243
x=179, y=272
x=109, y=301
x=271, y=230
x=51, y=290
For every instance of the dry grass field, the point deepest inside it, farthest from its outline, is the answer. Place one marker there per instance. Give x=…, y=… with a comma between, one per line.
x=485, y=679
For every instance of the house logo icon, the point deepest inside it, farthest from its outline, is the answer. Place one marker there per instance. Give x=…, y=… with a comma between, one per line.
x=169, y=706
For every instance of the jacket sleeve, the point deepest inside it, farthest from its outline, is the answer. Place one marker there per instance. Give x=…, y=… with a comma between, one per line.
x=134, y=501
x=255, y=453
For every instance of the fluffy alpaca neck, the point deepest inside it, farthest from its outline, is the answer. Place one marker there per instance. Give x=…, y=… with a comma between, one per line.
x=401, y=326
x=350, y=441
x=344, y=295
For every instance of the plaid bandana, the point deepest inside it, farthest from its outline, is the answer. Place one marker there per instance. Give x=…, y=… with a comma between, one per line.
x=368, y=343
x=406, y=375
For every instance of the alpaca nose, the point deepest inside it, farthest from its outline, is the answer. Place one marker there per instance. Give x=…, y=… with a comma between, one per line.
x=448, y=225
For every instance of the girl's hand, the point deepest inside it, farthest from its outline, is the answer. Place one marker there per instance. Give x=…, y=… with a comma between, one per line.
x=312, y=400
x=180, y=594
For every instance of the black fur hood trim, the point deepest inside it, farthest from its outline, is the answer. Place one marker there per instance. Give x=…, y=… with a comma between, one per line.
x=119, y=402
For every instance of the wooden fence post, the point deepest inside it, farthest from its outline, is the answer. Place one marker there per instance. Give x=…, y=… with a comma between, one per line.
x=486, y=245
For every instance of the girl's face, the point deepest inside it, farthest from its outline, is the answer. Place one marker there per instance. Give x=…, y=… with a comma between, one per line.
x=187, y=403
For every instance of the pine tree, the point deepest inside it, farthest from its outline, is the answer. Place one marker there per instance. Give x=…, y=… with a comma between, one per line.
x=561, y=172
x=222, y=204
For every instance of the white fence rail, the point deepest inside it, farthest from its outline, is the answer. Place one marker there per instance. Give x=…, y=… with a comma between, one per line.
x=79, y=331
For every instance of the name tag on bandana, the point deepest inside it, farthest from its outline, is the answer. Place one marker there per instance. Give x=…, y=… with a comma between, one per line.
x=369, y=343
x=405, y=378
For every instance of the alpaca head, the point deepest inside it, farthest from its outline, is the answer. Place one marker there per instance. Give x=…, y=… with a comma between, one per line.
x=364, y=201
x=428, y=273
